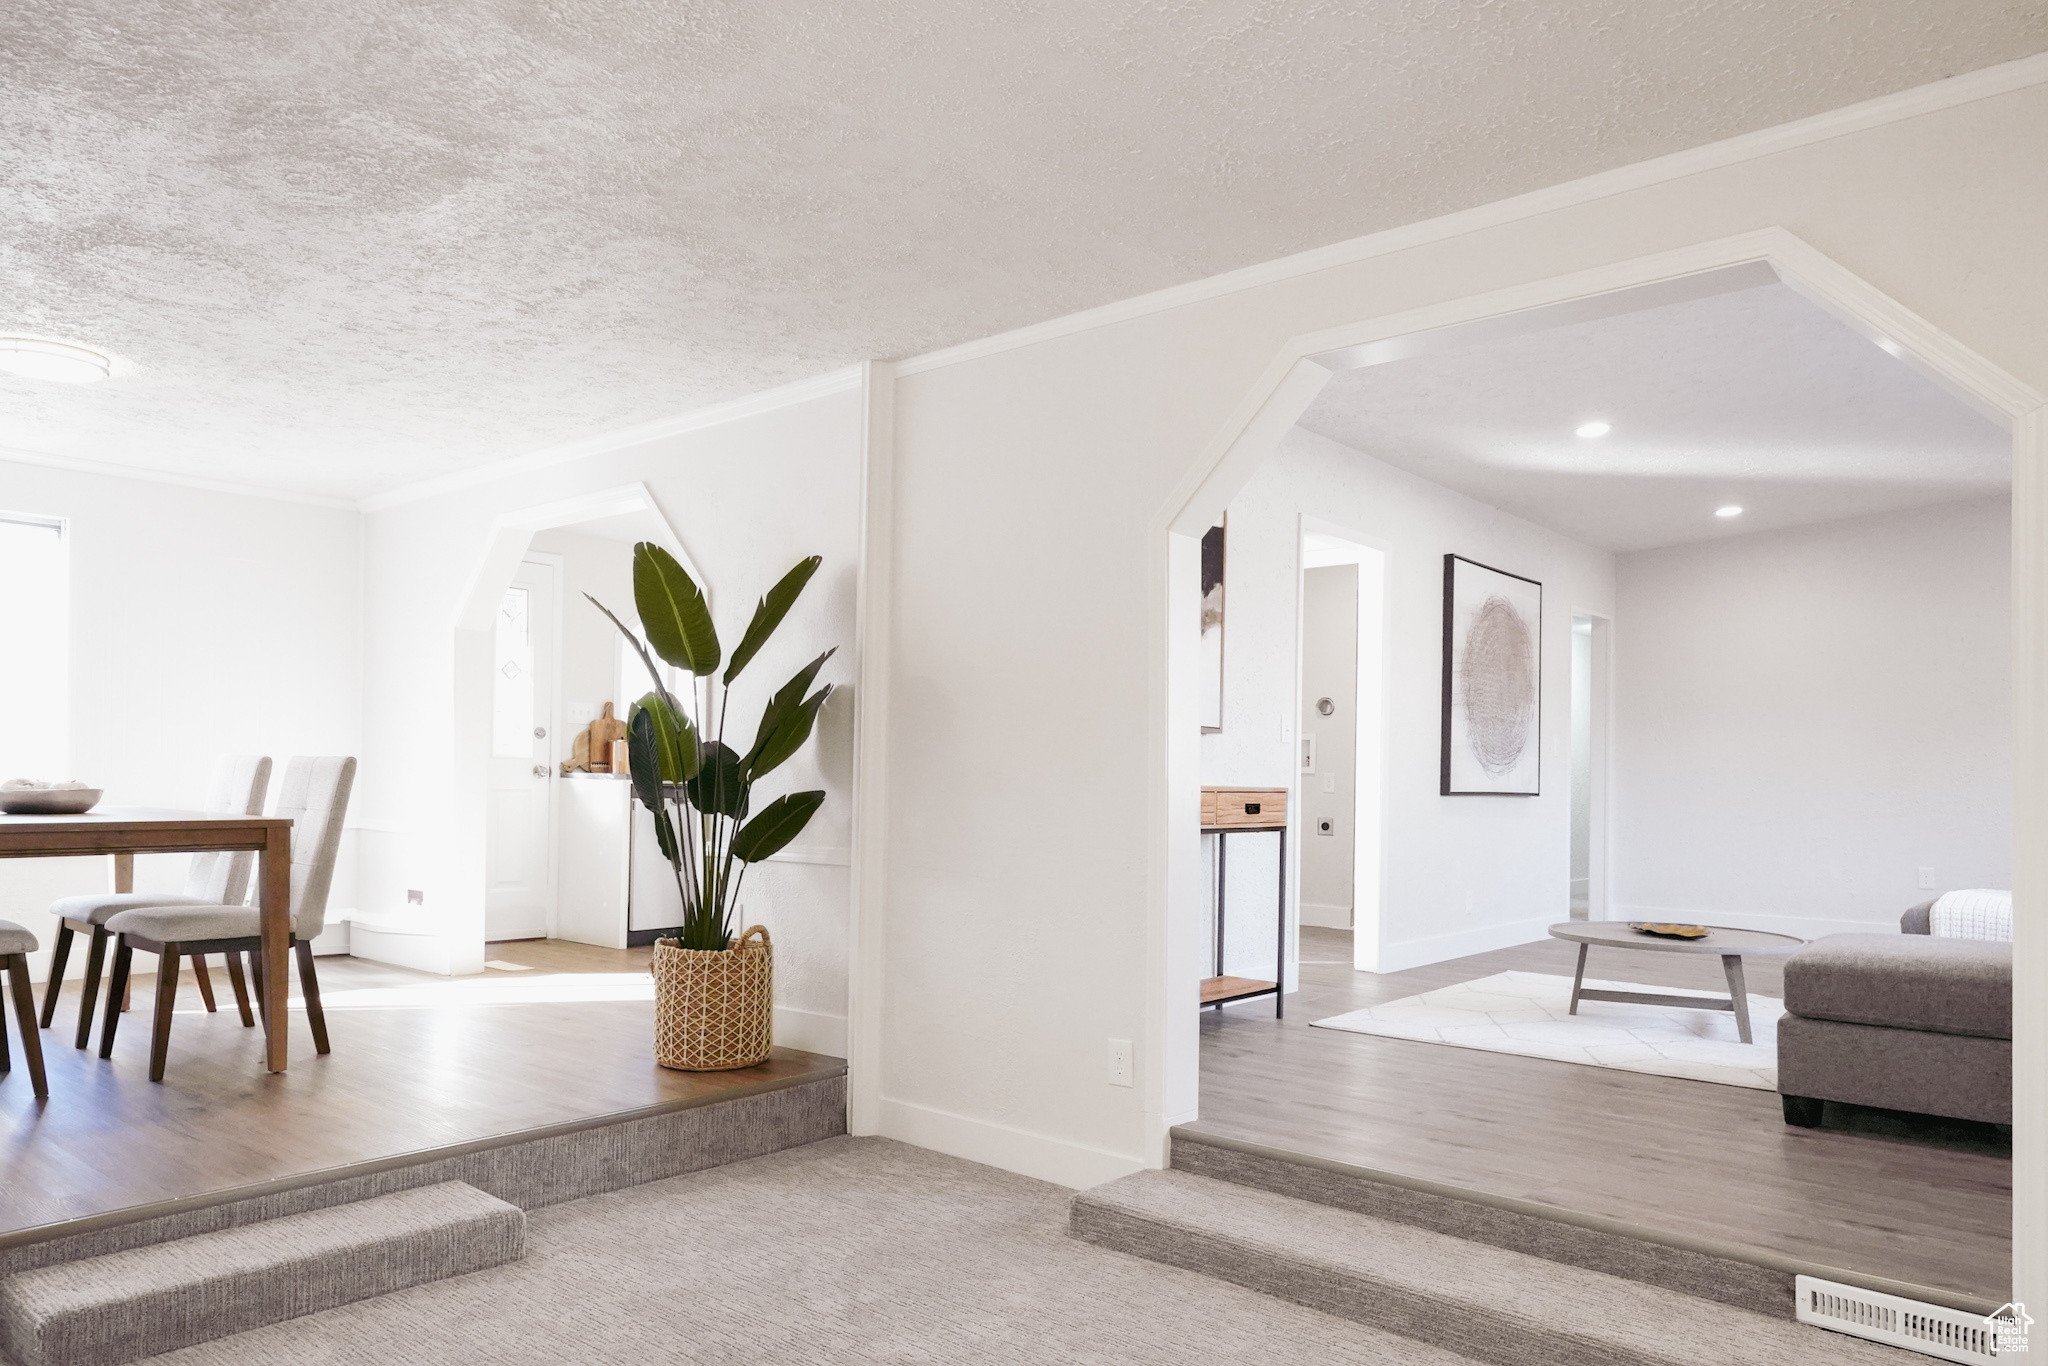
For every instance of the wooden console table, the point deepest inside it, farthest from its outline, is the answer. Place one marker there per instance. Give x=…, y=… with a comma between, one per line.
x=1232, y=810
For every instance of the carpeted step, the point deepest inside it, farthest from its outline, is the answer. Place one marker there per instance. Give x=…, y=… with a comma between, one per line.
x=1753, y=1278
x=126, y=1305
x=1483, y=1302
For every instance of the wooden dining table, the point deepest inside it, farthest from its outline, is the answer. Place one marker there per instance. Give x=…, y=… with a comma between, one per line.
x=124, y=832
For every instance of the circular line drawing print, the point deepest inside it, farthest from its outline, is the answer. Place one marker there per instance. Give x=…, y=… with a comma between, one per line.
x=1500, y=685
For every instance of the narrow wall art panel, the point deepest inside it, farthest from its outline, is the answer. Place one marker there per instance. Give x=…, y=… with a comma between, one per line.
x=1493, y=681
x=1212, y=630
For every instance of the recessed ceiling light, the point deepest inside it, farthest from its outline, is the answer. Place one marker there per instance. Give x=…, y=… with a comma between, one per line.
x=1730, y=511
x=1594, y=429
x=34, y=358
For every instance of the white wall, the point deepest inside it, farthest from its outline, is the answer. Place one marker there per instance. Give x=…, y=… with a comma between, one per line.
x=749, y=498
x=1805, y=718
x=1027, y=650
x=1329, y=668
x=201, y=623
x=603, y=568
x=1462, y=874
x=1582, y=766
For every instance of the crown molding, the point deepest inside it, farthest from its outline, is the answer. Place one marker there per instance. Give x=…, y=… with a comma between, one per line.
x=1855, y=118
x=582, y=448
x=79, y=465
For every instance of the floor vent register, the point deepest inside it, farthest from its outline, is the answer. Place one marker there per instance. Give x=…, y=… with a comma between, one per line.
x=1929, y=1329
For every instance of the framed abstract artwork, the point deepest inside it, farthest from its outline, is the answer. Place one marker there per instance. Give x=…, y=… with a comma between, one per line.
x=1493, y=681
x=1212, y=630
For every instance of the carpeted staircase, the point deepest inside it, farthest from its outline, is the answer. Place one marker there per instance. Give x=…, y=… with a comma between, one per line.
x=1462, y=1291
x=102, y=1311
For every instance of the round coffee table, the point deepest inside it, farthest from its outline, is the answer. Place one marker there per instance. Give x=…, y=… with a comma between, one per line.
x=1730, y=944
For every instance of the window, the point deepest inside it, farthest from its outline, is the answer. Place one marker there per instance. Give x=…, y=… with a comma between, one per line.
x=512, y=678
x=35, y=623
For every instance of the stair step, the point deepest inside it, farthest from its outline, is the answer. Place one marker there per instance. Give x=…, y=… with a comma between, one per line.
x=125, y=1305
x=1757, y=1279
x=1483, y=1302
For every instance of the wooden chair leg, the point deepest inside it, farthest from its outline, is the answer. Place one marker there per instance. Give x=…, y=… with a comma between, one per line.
x=199, y=975
x=256, y=978
x=58, y=957
x=166, y=1007
x=95, y=963
x=123, y=956
x=25, y=1016
x=241, y=986
x=309, y=982
x=6, y=1061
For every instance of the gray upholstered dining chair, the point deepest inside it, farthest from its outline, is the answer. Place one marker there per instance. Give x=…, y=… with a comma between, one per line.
x=314, y=798
x=16, y=944
x=211, y=879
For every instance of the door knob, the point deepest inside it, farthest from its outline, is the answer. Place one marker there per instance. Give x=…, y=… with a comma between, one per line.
x=540, y=770
x=540, y=732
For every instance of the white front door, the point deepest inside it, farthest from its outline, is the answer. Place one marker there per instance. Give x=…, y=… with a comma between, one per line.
x=519, y=894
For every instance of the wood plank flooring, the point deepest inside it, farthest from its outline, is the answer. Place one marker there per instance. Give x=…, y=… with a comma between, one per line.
x=1924, y=1201
x=419, y=1062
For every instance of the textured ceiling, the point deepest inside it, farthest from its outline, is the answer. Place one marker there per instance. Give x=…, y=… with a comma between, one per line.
x=343, y=246
x=1756, y=398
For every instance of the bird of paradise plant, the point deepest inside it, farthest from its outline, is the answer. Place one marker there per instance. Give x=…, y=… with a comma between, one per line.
x=699, y=789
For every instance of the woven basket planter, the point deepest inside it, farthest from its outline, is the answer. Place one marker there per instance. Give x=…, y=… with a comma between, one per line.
x=714, y=1010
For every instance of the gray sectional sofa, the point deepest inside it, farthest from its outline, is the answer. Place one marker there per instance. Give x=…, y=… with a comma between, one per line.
x=1904, y=1022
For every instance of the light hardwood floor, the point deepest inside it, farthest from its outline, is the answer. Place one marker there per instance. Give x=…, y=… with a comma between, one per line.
x=1928, y=1202
x=419, y=1062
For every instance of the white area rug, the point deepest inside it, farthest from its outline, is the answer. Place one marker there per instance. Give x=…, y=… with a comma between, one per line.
x=1525, y=1013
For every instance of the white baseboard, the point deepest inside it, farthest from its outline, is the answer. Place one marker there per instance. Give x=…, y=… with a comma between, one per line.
x=811, y=1030
x=422, y=951
x=1804, y=926
x=1074, y=1165
x=1326, y=916
x=1438, y=948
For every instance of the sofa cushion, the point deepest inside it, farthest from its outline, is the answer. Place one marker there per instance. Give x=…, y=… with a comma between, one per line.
x=1904, y=981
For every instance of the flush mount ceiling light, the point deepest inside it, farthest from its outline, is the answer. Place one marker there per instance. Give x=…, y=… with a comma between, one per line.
x=1730, y=511
x=34, y=358
x=1592, y=431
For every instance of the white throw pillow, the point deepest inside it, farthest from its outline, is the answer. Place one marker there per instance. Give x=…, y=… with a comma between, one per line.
x=1979, y=913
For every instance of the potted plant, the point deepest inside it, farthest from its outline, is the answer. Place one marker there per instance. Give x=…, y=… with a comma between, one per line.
x=714, y=998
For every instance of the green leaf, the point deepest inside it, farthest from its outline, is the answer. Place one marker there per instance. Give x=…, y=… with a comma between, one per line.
x=781, y=821
x=768, y=614
x=720, y=787
x=665, y=837
x=643, y=755
x=675, y=737
x=787, y=700
x=789, y=737
x=653, y=670
x=673, y=611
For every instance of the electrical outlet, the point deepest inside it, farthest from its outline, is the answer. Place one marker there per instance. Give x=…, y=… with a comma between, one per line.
x=1329, y=782
x=1926, y=879
x=1119, y=1062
